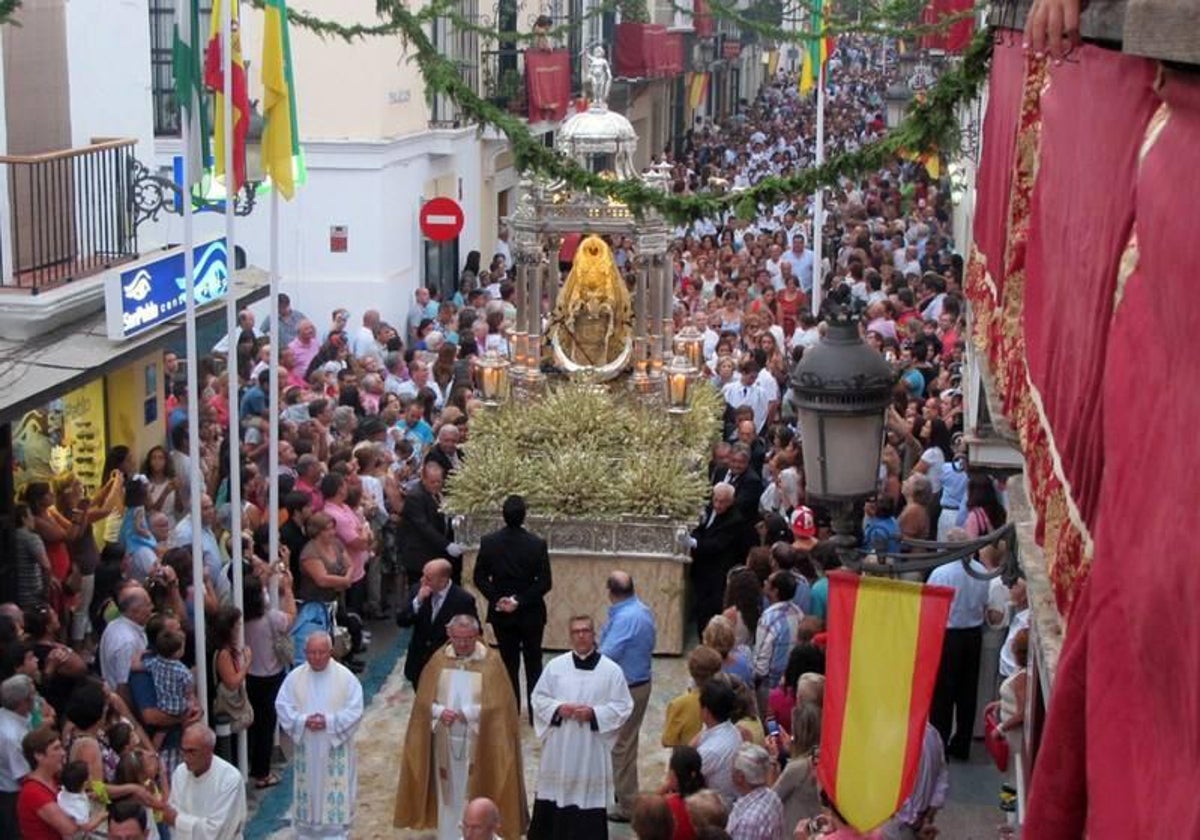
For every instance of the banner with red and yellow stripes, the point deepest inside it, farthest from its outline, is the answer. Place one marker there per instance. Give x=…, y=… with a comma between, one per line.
x=698, y=90
x=883, y=649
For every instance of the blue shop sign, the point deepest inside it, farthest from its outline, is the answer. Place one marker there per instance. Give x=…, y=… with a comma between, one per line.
x=149, y=294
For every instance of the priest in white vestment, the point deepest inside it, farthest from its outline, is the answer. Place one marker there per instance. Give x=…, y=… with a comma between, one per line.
x=208, y=795
x=320, y=705
x=579, y=704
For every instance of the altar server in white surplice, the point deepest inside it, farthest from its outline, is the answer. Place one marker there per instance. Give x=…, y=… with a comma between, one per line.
x=320, y=705
x=579, y=704
x=208, y=796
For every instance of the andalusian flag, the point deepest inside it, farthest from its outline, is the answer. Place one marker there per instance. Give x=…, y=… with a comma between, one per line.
x=881, y=661
x=214, y=77
x=818, y=50
x=281, y=157
x=189, y=91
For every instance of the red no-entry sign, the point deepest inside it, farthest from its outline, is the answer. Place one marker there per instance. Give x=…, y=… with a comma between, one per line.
x=441, y=219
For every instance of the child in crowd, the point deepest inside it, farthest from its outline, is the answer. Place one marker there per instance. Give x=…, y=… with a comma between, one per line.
x=74, y=801
x=135, y=527
x=141, y=767
x=174, y=685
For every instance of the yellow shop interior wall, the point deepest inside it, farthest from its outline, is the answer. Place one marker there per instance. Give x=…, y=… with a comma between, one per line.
x=127, y=398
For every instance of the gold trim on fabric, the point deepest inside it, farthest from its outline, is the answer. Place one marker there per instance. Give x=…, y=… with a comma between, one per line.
x=1153, y=129
x=1125, y=269
x=1072, y=510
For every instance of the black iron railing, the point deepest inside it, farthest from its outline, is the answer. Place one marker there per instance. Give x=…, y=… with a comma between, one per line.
x=71, y=213
x=502, y=80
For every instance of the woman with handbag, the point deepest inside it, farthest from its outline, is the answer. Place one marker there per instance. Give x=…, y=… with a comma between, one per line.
x=231, y=664
x=269, y=639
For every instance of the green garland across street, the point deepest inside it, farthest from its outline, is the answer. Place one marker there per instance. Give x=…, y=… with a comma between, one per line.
x=930, y=125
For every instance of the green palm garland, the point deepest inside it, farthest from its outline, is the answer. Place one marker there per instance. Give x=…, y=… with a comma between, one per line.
x=8, y=8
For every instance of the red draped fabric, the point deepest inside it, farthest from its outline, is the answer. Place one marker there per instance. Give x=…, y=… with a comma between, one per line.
x=657, y=59
x=548, y=84
x=1080, y=284
x=702, y=19
x=1081, y=212
x=1120, y=753
x=672, y=63
x=995, y=175
x=639, y=50
x=954, y=37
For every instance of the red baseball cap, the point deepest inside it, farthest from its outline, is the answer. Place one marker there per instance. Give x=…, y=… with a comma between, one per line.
x=804, y=524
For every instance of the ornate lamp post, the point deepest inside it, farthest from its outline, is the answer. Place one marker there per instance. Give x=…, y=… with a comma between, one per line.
x=841, y=390
x=680, y=377
x=493, y=379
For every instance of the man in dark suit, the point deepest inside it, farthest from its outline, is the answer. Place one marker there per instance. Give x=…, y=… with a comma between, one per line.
x=718, y=465
x=445, y=452
x=513, y=573
x=431, y=603
x=747, y=484
x=721, y=541
x=425, y=532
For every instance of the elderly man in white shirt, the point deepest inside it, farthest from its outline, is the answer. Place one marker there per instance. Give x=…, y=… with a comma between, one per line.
x=208, y=796
x=214, y=559
x=17, y=696
x=125, y=637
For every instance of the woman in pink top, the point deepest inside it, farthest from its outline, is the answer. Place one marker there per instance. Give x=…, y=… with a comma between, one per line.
x=341, y=500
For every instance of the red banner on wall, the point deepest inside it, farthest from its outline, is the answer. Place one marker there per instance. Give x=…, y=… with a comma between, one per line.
x=548, y=84
x=672, y=63
x=702, y=20
x=639, y=50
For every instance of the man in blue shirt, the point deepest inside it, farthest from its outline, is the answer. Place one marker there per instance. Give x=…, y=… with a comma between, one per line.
x=254, y=400
x=628, y=639
x=952, y=711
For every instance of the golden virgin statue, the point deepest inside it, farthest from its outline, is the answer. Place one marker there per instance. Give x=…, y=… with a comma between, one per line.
x=591, y=326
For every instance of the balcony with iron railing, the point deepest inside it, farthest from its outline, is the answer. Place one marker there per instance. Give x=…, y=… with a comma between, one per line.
x=502, y=78
x=70, y=214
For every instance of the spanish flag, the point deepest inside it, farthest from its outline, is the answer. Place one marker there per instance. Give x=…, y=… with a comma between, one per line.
x=932, y=161
x=214, y=78
x=884, y=646
x=282, y=161
x=818, y=50
x=698, y=90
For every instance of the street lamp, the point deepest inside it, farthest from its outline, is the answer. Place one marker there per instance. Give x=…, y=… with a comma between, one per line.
x=493, y=379
x=841, y=391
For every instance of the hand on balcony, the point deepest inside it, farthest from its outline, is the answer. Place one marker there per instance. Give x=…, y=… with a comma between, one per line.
x=1053, y=27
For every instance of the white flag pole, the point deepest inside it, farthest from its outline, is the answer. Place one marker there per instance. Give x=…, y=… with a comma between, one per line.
x=195, y=479
x=274, y=403
x=818, y=225
x=231, y=320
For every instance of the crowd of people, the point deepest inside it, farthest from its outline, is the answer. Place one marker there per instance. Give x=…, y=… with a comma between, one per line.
x=99, y=661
